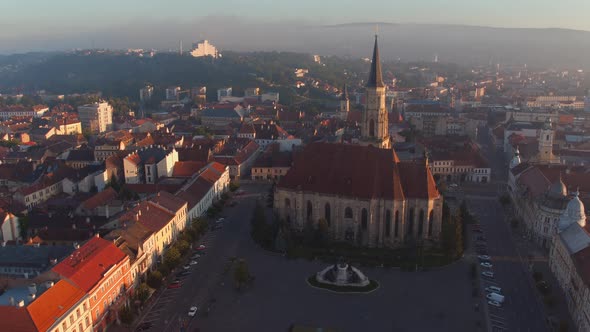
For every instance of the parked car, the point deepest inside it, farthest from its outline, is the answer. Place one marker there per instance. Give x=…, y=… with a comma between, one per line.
x=482, y=252
x=220, y=220
x=495, y=303
x=176, y=284
x=183, y=273
x=494, y=289
x=202, y=247
x=484, y=257
x=495, y=297
x=186, y=267
x=488, y=274
x=193, y=262
x=192, y=311
x=234, y=203
x=486, y=264
x=195, y=256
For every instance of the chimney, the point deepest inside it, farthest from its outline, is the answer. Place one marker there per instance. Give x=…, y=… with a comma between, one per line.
x=31, y=297
x=76, y=245
x=20, y=303
x=49, y=284
x=11, y=301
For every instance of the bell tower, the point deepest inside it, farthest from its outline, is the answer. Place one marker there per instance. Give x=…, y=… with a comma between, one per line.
x=374, y=128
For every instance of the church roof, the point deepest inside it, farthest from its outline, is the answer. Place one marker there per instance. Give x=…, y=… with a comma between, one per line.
x=375, y=76
x=358, y=172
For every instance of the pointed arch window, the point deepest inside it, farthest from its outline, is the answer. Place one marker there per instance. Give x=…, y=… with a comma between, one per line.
x=430, y=222
x=309, y=211
x=327, y=213
x=387, y=223
x=372, y=128
x=411, y=221
x=421, y=222
x=364, y=219
x=348, y=212
x=396, y=227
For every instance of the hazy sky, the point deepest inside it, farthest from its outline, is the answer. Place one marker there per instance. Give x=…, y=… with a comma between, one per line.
x=26, y=17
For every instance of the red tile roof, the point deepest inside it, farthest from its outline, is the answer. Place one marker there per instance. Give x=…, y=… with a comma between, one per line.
x=149, y=215
x=417, y=180
x=85, y=266
x=345, y=170
x=100, y=199
x=168, y=201
x=53, y=303
x=16, y=319
x=187, y=168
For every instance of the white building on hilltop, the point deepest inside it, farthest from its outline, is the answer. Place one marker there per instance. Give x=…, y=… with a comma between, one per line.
x=203, y=48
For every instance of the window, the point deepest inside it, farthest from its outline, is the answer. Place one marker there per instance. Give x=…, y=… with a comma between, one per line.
x=372, y=128
x=411, y=221
x=78, y=313
x=421, y=222
x=309, y=211
x=430, y=222
x=396, y=229
x=71, y=319
x=364, y=219
x=348, y=212
x=287, y=203
x=387, y=223
x=64, y=326
x=327, y=213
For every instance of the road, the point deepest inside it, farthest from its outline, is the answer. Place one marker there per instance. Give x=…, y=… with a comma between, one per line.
x=170, y=312
x=523, y=310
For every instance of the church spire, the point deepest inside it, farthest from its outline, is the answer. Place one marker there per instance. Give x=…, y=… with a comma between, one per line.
x=344, y=93
x=375, y=77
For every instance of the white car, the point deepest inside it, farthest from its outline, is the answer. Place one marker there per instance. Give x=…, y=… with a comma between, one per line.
x=192, y=311
x=220, y=220
x=488, y=274
x=494, y=289
x=484, y=257
x=486, y=264
x=193, y=263
x=186, y=267
x=495, y=303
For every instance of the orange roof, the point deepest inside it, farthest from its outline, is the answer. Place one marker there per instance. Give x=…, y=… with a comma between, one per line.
x=52, y=304
x=85, y=266
x=16, y=319
x=100, y=199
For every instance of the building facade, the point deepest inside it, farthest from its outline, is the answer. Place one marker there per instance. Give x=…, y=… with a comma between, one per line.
x=97, y=117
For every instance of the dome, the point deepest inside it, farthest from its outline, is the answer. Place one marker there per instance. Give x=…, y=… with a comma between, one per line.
x=574, y=213
x=558, y=189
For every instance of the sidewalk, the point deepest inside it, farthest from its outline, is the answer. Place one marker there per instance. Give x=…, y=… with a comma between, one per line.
x=538, y=261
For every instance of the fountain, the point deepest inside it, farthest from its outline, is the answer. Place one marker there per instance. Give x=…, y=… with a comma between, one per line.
x=342, y=274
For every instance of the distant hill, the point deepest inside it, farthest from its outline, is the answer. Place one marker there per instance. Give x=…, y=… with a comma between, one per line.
x=409, y=42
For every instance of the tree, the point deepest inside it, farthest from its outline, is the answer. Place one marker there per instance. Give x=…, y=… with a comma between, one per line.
x=126, y=315
x=182, y=246
x=23, y=226
x=452, y=236
x=322, y=233
x=241, y=274
x=142, y=292
x=172, y=257
x=154, y=279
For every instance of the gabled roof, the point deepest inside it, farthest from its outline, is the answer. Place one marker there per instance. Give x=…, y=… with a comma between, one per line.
x=186, y=168
x=168, y=201
x=345, y=170
x=54, y=303
x=86, y=266
x=100, y=199
x=149, y=215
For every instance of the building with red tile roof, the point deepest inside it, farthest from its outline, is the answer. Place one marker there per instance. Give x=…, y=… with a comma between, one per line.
x=365, y=194
x=102, y=271
x=204, y=188
x=238, y=154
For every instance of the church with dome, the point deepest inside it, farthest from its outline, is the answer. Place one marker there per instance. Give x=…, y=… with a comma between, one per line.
x=364, y=193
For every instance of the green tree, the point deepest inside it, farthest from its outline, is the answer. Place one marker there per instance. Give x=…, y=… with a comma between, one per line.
x=172, y=257
x=182, y=246
x=126, y=315
x=241, y=274
x=23, y=226
x=142, y=292
x=154, y=279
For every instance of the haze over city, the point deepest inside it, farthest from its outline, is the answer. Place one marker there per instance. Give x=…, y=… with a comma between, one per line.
x=300, y=166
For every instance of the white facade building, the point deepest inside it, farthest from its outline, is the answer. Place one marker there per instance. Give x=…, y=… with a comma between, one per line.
x=97, y=117
x=204, y=48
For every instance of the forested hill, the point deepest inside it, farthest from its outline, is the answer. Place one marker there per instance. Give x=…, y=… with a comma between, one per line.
x=124, y=75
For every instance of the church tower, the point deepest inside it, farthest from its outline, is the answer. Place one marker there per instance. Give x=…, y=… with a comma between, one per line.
x=345, y=101
x=375, y=129
x=545, y=155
